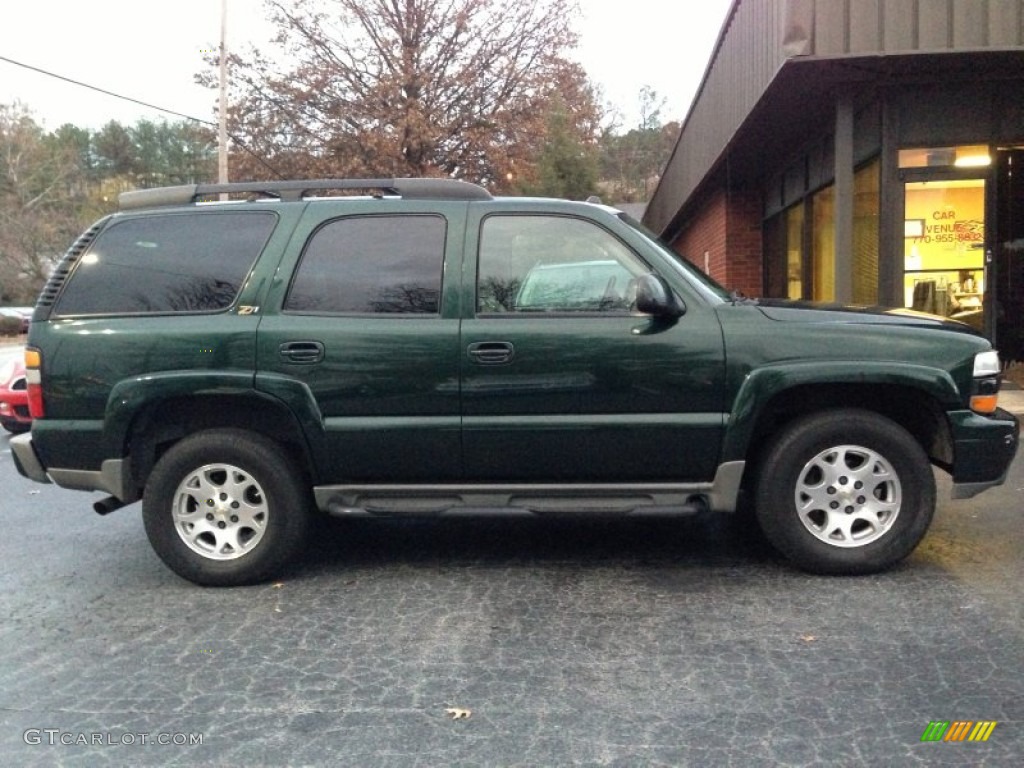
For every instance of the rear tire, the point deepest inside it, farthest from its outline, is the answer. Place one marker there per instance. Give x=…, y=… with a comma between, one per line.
x=845, y=492
x=226, y=507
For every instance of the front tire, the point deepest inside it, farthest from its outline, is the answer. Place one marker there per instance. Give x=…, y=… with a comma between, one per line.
x=225, y=508
x=845, y=492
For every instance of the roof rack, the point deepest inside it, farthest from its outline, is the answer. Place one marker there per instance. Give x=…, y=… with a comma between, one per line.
x=412, y=189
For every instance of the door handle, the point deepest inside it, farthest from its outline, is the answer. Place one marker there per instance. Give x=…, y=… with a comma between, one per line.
x=303, y=352
x=491, y=352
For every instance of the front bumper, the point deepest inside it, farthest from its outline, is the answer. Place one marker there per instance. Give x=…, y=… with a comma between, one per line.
x=983, y=449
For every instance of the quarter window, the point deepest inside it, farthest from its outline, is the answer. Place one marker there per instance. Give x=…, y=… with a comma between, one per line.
x=188, y=262
x=553, y=264
x=372, y=264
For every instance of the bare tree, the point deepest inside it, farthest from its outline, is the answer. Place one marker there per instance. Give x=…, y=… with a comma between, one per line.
x=405, y=87
x=632, y=162
x=37, y=177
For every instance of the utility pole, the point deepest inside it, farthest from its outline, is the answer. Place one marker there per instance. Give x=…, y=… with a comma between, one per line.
x=222, y=108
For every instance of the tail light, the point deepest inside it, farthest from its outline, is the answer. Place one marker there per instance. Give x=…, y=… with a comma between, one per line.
x=33, y=377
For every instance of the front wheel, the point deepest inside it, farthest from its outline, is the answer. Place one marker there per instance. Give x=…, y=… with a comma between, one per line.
x=845, y=492
x=225, y=507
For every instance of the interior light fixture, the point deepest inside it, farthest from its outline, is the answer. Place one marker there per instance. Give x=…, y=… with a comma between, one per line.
x=973, y=161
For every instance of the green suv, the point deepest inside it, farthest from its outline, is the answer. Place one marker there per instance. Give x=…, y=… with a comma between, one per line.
x=417, y=346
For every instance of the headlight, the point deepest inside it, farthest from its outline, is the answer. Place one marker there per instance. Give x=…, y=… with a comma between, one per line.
x=985, y=391
x=986, y=363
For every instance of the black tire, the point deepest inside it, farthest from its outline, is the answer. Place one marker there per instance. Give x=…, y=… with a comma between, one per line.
x=810, y=508
x=196, y=488
x=15, y=427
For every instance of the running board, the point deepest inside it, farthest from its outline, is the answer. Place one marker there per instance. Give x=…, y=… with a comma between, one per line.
x=512, y=500
x=613, y=499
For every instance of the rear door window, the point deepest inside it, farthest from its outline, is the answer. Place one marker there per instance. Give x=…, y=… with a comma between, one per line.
x=378, y=264
x=181, y=262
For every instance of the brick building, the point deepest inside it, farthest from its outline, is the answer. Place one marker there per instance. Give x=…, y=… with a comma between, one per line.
x=860, y=151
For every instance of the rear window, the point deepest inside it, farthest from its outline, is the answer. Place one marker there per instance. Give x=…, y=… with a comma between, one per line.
x=181, y=262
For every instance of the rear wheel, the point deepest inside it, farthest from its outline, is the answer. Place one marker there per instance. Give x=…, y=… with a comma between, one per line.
x=226, y=507
x=845, y=492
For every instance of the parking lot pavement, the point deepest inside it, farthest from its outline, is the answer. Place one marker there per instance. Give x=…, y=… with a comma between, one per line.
x=11, y=348
x=1012, y=400
x=567, y=642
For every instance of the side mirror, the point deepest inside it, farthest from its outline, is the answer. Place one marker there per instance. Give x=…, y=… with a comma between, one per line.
x=654, y=297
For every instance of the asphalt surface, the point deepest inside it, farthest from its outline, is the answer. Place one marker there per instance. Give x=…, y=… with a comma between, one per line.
x=617, y=643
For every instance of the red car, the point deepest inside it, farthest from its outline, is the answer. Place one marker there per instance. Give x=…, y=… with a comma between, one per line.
x=14, y=397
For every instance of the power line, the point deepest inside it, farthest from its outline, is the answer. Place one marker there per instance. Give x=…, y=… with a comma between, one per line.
x=141, y=103
x=104, y=90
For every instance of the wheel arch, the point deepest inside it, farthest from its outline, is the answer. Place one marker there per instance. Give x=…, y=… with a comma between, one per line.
x=162, y=423
x=773, y=399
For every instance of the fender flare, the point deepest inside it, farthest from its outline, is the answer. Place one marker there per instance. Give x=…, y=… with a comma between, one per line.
x=763, y=384
x=129, y=397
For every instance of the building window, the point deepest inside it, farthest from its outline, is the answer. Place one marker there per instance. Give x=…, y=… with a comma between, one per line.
x=794, y=218
x=823, y=248
x=784, y=254
x=965, y=156
x=802, y=263
x=866, y=189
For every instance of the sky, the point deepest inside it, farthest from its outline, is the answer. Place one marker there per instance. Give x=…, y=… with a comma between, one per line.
x=151, y=50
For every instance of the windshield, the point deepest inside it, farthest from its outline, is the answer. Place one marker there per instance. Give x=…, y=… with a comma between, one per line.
x=707, y=285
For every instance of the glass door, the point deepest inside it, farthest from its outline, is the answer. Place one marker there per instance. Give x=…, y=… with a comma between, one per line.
x=944, y=248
